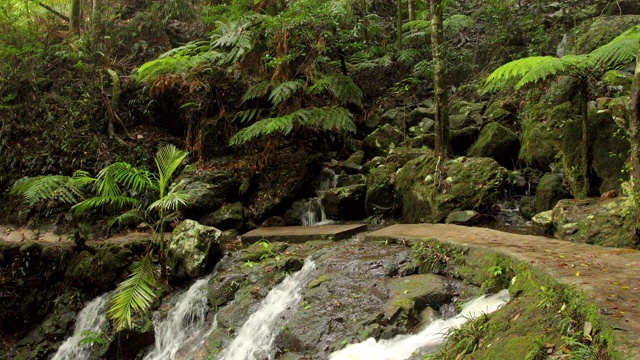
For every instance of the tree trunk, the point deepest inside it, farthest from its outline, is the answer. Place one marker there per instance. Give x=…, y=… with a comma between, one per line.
x=634, y=134
x=411, y=6
x=440, y=80
x=399, y=26
x=74, y=24
x=584, y=146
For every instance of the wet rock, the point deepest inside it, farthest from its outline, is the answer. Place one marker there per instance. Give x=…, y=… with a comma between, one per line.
x=228, y=216
x=347, y=180
x=193, y=250
x=422, y=114
x=465, y=217
x=383, y=139
x=132, y=343
x=98, y=273
x=274, y=221
x=420, y=141
x=542, y=134
x=398, y=117
x=543, y=222
x=381, y=195
x=356, y=158
x=345, y=203
x=549, y=191
x=430, y=195
x=497, y=142
x=464, y=114
x=527, y=207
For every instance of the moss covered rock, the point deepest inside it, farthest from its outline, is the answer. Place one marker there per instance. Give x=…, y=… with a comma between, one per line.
x=228, y=216
x=461, y=140
x=497, y=142
x=381, y=195
x=430, y=190
x=596, y=32
x=193, y=250
x=97, y=273
x=211, y=190
x=383, y=139
x=542, y=134
x=549, y=191
x=618, y=82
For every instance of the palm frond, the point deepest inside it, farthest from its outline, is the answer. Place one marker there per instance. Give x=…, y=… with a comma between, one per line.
x=281, y=124
x=133, y=295
x=284, y=91
x=129, y=176
x=167, y=159
x=172, y=201
x=97, y=202
x=129, y=217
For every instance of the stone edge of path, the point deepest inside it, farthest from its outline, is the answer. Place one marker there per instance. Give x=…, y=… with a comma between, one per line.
x=300, y=234
x=558, y=259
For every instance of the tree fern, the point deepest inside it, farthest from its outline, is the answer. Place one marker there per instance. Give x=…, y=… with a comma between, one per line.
x=509, y=74
x=326, y=119
x=65, y=189
x=257, y=90
x=134, y=295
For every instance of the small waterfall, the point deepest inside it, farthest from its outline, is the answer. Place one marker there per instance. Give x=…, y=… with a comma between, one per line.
x=403, y=346
x=258, y=332
x=311, y=212
x=183, y=326
x=91, y=322
x=560, y=50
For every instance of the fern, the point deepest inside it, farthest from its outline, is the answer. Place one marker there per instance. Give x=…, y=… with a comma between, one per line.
x=65, y=189
x=257, y=91
x=326, y=119
x=341, y=87
x=284, y=91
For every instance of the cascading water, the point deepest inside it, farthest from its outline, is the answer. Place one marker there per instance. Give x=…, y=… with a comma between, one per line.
x=185, y=323
x=258, y=332
x=312, y=212
x=403, y=346
x=91, y=322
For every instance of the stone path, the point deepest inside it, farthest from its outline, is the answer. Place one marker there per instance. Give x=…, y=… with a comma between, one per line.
x=298, y=234
x=610, y=275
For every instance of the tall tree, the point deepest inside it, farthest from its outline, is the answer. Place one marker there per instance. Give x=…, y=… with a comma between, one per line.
x=399, y=25
x=74, y=24
x=440, y=79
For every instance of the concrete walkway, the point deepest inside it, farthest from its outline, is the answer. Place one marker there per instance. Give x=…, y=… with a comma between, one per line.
x=610, y=275
x=300, y=234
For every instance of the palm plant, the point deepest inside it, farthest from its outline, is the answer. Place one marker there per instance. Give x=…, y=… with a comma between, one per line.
x=146, y=196
x=585, y=68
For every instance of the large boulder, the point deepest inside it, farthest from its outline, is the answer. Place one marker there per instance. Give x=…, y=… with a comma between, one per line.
x=497, y=142
x=431, y=189
x=228, y=216
x=211, y=190
x=399, y=117
x=381, y=195
x=193, y=250
x=607, y=151
x=595, y=32
x=461, y=140
x=97, y=273
x=383, y=139
x=345, y=203
x=549, y=191
x=463, y=114
x=605, y=222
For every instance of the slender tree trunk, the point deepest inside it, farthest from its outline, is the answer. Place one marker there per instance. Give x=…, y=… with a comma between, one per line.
x=399, y=26
x=634, y=134
x=440, y=80
x=411, y=6
x=74, y=24
x=585, y=163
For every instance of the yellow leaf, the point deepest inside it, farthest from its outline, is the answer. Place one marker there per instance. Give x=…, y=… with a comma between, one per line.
x=624, y=287
x=578, y=273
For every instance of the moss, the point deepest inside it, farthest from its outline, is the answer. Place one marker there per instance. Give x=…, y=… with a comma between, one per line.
x=317, y=282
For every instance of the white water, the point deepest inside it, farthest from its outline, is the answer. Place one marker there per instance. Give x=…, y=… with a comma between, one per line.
x=403, y=346
x=312, y=213
x=91, y=322
x=258, y=332
x=183, y=326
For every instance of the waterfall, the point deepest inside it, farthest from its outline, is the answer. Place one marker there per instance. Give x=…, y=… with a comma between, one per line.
x=312, y=212
x=258, y=332
x=91, y=322
x=183, y=325
x=403, y=346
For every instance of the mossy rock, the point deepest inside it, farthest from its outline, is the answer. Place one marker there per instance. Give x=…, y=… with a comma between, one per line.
x=228, y=216
x=460, y=184
x=345, y=203
x=461, y=140
x=620, y=109
x=98, y=273
x=193, y=250
x=497, y=142
x=495, y=112
x=400, y=155
x=549, y=191
x=381, y=195
x=383, y=139
x=420, y=141
x=618, y=82
x=596, y=32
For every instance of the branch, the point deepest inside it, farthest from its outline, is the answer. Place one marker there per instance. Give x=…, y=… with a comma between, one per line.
x=55, y=12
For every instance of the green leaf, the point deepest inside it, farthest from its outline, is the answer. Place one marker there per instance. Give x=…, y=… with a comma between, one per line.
x=133, y=295
x=168, y=159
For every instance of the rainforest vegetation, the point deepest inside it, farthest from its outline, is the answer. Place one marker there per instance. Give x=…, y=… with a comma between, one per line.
x=118, y=115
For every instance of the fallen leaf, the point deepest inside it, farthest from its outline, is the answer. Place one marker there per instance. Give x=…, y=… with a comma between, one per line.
x=578, y=273
x=623, y=288
x=561, y=256
x=516, y=317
